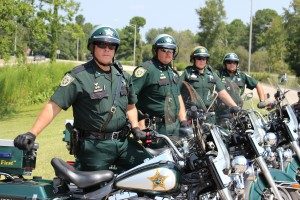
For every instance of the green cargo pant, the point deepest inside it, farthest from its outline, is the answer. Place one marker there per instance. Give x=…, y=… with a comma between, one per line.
x=116, y=155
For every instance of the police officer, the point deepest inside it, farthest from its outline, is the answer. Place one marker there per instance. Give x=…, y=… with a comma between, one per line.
x=231, y=73
x=235, y=83
x=101, y=96
x=156, y=85
x=204, y=80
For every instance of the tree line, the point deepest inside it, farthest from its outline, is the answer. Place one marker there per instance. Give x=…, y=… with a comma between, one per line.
x=56, y=29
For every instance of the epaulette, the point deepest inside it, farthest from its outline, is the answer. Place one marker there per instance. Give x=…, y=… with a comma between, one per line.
x=78, y=69
x=146, y=64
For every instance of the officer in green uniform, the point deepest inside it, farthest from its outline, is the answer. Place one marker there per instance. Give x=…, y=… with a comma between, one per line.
x=204, y=80
x=235, y=82
x=156, y=85
x=101, y=96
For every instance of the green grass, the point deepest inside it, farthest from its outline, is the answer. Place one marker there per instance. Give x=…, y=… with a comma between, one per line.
x=50, y=140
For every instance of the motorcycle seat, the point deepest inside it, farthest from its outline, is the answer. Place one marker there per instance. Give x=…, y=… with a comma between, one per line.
x=81, y=179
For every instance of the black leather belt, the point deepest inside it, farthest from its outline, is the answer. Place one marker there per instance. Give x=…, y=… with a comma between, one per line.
x=104, y=136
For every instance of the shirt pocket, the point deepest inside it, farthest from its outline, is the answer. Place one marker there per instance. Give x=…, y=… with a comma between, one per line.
x=99, y=95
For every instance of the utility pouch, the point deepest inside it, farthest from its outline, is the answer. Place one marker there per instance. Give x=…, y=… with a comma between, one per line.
x=74, y=139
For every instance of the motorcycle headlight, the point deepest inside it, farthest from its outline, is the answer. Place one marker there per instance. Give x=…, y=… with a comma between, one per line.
x=239, y=164
x=270, y=139
x=288, y=155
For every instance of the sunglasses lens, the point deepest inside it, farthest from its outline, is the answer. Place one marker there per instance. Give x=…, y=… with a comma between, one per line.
x=103, y=45
x=231, y=62
x=167, y=50
x=200, y=58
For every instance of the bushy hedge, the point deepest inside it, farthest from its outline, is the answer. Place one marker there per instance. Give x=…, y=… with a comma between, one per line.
x=28, y=84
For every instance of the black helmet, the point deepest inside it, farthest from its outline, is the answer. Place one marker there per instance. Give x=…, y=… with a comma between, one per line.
x=103, y=34
x=199, y=51
x=231, y=57
x=164, y=41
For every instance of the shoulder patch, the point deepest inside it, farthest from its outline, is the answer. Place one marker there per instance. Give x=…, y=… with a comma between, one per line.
x=139, y=72
x=67, y=79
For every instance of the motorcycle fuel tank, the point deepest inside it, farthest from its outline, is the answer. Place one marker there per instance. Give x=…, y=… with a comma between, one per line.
x=158, y=175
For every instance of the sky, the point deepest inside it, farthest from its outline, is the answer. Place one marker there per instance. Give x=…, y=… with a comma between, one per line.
x=178, y=14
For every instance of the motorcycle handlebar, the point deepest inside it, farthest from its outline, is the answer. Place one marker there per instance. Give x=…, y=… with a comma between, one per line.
x=167, y=139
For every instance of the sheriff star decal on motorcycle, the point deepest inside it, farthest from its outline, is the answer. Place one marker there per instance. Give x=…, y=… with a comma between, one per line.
x=158, y=180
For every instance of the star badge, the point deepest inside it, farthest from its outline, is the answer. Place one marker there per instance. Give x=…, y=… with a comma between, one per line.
x=109, y=32
x=168, y=40
x=158, y=180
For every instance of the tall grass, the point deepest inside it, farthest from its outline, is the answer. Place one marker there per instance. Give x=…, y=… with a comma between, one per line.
x=28, y=84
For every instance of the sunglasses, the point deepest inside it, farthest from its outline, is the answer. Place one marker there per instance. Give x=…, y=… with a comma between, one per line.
x=200, y=58
x=167, y=50
x=231, y=62
x=103, y=45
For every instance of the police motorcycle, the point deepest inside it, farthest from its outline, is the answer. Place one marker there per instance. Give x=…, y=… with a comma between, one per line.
x=283, y=124
x=195, y=169
x=250, y=139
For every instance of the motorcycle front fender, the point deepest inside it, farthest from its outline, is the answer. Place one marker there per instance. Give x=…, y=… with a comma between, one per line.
x=256, y=187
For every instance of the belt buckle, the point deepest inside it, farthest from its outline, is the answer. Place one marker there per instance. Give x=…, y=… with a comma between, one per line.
x=115, y=135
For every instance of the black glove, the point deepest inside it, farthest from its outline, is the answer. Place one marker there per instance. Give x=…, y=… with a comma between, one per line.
x=234, y=109
x=25, y=141
x=138, y=133
x=184, y=124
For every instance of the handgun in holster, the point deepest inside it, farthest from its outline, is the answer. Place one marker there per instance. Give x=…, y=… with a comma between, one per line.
x=74, y=139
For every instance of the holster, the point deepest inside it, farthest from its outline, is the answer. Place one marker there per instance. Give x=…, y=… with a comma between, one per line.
x=74, y=139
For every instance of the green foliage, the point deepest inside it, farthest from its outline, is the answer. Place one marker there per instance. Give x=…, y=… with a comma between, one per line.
x=28, y=84
x=211, y=17
x=292, y=27
x=261, y=22
x=261, y=76
x=237, y=34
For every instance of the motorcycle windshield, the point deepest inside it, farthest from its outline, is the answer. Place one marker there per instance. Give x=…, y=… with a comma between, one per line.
x=191, y=97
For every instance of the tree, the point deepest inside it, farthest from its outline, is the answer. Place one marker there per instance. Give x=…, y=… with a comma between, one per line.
x=261, y=22
x=127, y=35
x=213, y=33
x=273, y=39
x=292, y=27
x=237, y=34
x=57, y=13
x=210, y=18
x=15, y=18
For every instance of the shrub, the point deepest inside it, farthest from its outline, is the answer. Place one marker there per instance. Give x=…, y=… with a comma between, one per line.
x=28, y=84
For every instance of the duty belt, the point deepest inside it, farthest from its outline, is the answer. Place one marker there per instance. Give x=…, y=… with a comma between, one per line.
x=103, y=136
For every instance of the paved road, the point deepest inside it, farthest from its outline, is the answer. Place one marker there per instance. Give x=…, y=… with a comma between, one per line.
x=291, y=96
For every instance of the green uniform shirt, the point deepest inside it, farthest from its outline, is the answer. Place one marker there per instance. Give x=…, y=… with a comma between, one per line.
x=235, y=86
x=241, y=79
x=204, y=83
x=157, y=89
x=90, y=92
